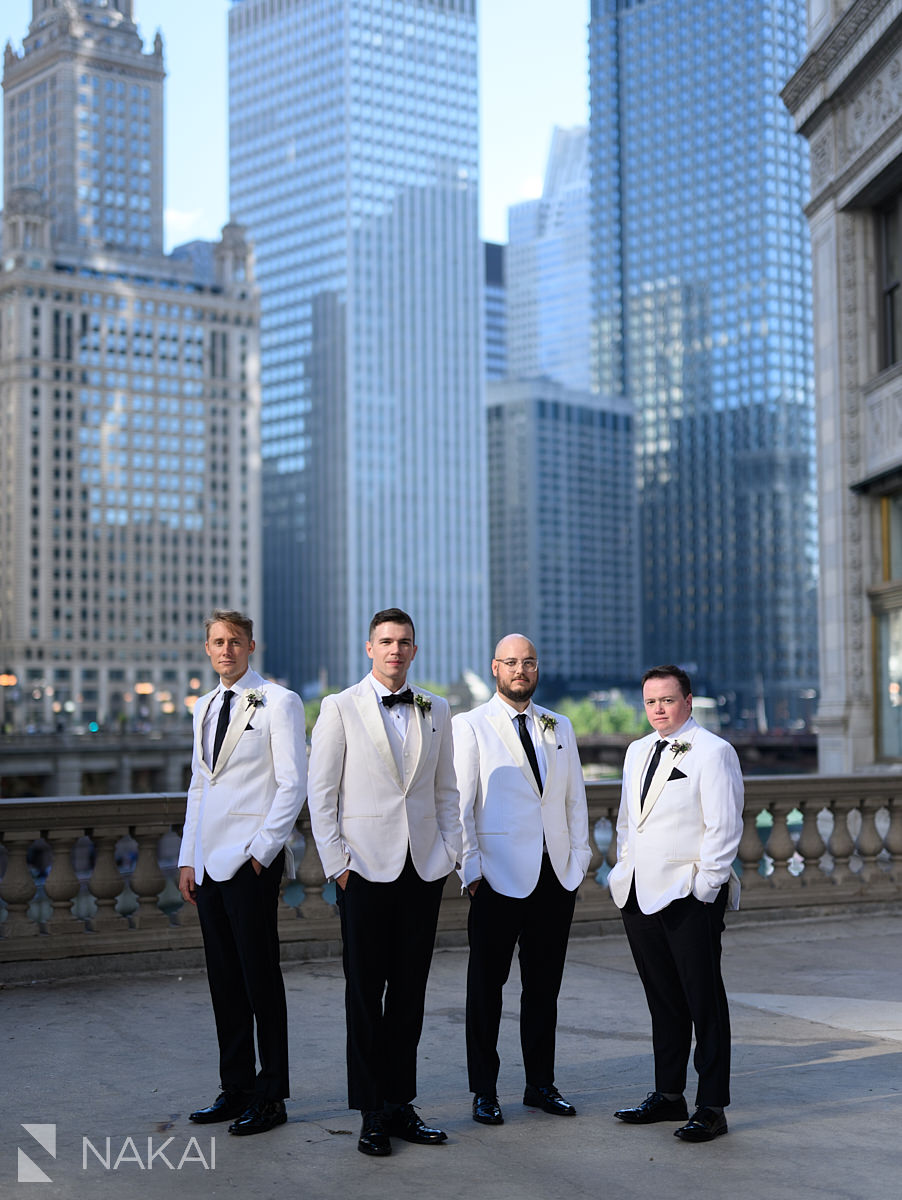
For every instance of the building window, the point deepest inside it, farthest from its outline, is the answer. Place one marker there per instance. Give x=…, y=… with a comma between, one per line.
x=890, y=234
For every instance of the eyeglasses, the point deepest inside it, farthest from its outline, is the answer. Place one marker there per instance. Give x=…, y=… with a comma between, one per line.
x=528, y=664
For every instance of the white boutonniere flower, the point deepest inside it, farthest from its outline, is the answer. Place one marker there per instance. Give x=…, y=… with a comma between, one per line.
x=547, y=721
x=423, y=703
x=254, y=697
x=680, y=747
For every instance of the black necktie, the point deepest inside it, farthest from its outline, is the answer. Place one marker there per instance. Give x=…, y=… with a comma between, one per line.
x=405, y=697
x=660, y=747
x=529, y=748
x=221, y=726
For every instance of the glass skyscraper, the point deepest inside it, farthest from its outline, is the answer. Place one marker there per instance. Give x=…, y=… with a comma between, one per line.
x=353, y=143
x=702, y=284
x=549, y=293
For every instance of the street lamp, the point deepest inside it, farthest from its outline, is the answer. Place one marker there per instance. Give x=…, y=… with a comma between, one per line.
x=7, y=680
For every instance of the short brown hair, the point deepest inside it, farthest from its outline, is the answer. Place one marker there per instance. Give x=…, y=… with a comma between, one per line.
x=665, y=672
x=392, y=616
x=228, y=616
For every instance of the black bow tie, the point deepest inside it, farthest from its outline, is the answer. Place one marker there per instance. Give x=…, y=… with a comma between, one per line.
x=405, y=697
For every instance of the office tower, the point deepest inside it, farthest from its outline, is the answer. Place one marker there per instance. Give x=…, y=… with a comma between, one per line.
x=495, y=311
x=549, y=292
x=562, y=498
x=129, y=392
x=561, y=509
x=353, y=143
x=701, y=280
x=846, y=98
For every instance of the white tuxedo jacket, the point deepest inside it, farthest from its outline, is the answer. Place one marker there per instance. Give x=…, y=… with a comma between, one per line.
x=246, y=808
x=504, y=816
x=686, y=836
x=363, y=814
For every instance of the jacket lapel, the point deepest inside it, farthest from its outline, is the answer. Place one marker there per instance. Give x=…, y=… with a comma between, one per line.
x=548, y=738
x=237, y=725
x=368, y=707
x=416, y=737
x=505, y=728
x=662, y=771
x=203, y=704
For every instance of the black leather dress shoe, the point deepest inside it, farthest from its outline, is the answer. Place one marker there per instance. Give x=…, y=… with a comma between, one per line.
x=549, y=1099
x=259, y=1117
x=704, y=1125
x=373, y=1138
x=404, y=1123
x=487, y=1110
x=225, y=1107
x=654, y=1107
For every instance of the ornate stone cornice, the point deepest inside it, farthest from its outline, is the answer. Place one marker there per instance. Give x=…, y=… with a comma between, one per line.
x=829, y=52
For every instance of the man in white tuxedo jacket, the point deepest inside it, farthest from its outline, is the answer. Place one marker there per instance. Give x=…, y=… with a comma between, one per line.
x=678, y=833
x=384, y=813
x=526, y=851
x=248, y=781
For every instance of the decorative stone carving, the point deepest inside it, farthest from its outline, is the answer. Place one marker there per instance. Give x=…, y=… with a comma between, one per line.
x=822, y=167
x=883, y=429
x=877, y=105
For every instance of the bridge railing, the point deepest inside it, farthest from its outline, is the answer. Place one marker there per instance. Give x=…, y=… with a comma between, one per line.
x=88, y=876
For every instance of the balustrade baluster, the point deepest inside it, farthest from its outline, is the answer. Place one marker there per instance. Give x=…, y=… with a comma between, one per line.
x=811, y=845
x=870, y=843
x=751, y=851
x=780, y=845
x=148, y=880
x=842, y=845
x=106, y=884
x=62, y=884
x=310, y=874
x=894, y=837
x=18, y=888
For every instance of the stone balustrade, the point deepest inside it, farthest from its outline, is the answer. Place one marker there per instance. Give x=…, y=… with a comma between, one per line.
x=96, y=875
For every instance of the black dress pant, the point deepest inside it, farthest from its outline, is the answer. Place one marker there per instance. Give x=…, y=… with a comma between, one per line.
x=238, y=919
x=677, y=953
x=540, y=922
x=388, y=933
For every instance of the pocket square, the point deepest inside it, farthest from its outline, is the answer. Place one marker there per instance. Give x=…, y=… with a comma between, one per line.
x=676, y=773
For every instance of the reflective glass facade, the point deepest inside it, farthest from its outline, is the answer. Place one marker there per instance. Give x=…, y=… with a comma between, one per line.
x=353, y=142
x=549, y=293
x=701, y=275
x=562, y=549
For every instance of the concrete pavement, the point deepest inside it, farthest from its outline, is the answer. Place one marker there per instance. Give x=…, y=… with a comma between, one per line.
x=817, y=1085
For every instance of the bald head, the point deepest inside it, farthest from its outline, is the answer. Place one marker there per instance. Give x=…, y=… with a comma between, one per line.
x=516, y=669
x=515, y=645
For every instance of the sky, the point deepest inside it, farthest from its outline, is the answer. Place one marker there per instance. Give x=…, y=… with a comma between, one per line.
x=533, y=76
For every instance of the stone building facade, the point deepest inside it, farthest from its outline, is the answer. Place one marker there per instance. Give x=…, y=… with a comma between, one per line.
x=846, y=98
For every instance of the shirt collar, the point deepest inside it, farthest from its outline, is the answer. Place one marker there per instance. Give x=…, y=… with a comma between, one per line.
x=382, y=690
x=510, y=711
x=239, y=686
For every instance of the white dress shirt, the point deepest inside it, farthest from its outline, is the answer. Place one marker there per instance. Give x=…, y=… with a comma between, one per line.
x=395, y=719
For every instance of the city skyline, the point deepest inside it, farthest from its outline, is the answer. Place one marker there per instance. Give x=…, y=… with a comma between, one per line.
x=704, y=314
x=533, y=76
x=354, y=148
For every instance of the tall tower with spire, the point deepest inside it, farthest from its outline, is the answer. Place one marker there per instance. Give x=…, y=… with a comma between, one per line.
x=129, y=394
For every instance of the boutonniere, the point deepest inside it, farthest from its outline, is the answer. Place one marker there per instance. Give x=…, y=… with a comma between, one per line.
x=680, y=747
x=254, y=697
x=547, y=721
x=423, y=703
